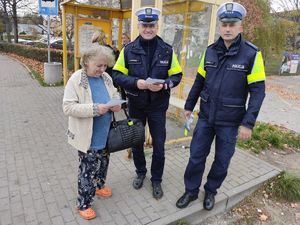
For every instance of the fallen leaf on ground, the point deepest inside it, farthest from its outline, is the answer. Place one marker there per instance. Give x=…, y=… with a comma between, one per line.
x=294, y=205
x=263, y=217
x=259, y=210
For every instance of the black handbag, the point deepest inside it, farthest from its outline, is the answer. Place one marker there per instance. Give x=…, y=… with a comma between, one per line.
x=125, y=134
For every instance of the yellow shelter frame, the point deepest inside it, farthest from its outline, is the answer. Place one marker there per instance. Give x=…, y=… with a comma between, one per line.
x=75, y=9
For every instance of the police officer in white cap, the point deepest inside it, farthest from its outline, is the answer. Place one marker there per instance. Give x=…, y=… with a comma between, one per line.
x=148, y=56
x=230, y=70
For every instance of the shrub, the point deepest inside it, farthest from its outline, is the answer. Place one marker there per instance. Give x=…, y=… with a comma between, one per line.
x=39, y=54
x=286, y=186
x=266, y=136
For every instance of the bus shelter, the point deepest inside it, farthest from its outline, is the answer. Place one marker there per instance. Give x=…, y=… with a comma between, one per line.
x=189, y=26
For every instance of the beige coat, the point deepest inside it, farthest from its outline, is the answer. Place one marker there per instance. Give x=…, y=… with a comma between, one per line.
x=79, y=106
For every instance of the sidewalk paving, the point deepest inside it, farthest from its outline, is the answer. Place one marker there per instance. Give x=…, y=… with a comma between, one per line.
x=282, y=108
x=38, y=169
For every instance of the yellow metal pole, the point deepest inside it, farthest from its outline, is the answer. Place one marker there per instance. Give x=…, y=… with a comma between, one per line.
x=159, y=5
x=76, y=38
x=136, y=4
x=183, y=54
x=65, y=54
x=213, y=24
x=120, y=34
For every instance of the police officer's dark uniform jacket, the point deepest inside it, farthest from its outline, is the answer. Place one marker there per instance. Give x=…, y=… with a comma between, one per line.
x=224, y=79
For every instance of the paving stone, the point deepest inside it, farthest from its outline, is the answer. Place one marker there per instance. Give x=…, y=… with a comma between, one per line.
x=4, y=204
x=58, y=220
x=30, y=214
x=17, y=208
x=5, y=217
x=3, y=192
x=43, y=218
x=53, y=210
x=32, y=223
x=72, y=223
x=39, y=205
x=67, y=214
x=19, y=219
x=132, y=219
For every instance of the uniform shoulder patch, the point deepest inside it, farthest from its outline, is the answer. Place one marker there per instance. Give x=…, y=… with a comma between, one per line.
x=252, y=45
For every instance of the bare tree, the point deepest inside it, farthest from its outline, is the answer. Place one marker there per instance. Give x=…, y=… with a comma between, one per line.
x=10, y=9
x=286, y=5
x=290, y=11
x=1, y=26
x=4, y=5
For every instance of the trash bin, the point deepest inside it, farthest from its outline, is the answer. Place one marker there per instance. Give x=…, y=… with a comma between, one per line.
x=52, y=73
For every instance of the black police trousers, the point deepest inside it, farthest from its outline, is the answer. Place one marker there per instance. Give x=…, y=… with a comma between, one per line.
x=203, y=137
x=157, y=126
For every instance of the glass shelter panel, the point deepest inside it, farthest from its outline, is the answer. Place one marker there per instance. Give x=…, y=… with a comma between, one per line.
x=186, y=27
x=126, y=4
x=147, y=3
x=102, y=3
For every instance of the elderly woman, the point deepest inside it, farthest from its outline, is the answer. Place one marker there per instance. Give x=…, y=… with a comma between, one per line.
x=85, y=97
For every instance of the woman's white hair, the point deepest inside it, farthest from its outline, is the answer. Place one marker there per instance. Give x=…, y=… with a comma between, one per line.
x=97, y=51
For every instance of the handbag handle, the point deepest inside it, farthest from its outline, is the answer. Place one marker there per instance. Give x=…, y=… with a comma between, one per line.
x=114, y=118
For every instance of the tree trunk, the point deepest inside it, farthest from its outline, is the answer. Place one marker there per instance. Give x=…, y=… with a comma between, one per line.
x=6, y=20
x=7, y=27
x=15, y=20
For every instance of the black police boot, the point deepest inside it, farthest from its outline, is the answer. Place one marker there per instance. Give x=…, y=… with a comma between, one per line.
x=157, y=191
x=185, y=200
x=138, y=181
x=209, y=201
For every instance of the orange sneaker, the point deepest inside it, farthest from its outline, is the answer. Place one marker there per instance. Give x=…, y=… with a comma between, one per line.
x=104, y=192
x=87, y=214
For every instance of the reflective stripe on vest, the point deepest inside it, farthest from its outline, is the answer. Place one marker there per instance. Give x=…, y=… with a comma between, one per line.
x=258, y=70
x=120, y=64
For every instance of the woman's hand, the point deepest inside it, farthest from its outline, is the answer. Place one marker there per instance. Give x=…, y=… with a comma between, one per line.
x=102, y=109
x=116, y=108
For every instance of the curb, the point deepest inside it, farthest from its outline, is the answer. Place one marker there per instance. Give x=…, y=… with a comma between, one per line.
x=195, y=214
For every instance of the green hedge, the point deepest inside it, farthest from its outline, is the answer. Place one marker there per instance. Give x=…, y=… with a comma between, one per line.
x=39, y=54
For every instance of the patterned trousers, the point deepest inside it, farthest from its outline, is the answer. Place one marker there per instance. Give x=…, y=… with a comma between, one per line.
x=91, y=174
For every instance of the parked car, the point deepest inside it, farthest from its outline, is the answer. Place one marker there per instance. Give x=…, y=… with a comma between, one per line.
x=25, y=42
x=58, y=44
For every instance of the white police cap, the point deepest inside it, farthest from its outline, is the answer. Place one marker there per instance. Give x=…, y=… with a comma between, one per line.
x=231, y=12
x=147, y=14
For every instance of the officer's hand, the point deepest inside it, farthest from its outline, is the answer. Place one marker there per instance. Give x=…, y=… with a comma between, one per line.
x=187, y=113
x=245, y=133
x=115, y=108
x=141, y=84
x=155, y=87
x=102, y=109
